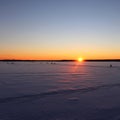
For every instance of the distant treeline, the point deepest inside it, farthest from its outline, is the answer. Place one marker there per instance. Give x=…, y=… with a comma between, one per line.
x=37, y=60
x=88, y=60
x=103, y=60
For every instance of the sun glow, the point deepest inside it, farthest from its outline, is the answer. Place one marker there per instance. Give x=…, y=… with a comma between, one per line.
x=80, y=59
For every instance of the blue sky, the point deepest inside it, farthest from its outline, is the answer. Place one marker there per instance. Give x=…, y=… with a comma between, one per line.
x=59, y=29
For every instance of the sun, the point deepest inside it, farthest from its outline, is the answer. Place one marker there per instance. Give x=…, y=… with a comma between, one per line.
x=80, y=59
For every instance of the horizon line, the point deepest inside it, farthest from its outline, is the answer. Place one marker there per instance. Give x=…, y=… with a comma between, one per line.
x=60, y=60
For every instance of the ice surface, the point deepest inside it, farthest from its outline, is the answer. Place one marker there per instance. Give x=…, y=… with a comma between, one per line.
x=61, y=91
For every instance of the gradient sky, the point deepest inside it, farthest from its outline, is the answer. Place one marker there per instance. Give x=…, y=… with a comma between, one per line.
x=59, y=29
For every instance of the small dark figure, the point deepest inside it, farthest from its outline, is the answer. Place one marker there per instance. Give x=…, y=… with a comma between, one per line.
x=110, y=65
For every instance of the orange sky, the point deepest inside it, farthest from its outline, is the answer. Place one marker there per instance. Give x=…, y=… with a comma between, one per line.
x=58, y=55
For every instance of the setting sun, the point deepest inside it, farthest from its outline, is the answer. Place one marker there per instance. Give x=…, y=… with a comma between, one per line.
x=80, y=59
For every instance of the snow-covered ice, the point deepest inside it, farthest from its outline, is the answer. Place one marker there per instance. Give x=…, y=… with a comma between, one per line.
x=61, y=91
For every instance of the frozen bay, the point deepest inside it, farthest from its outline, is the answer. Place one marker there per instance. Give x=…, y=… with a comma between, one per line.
x=60, y=91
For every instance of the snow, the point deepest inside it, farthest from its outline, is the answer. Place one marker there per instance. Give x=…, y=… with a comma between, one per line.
x=61, y=91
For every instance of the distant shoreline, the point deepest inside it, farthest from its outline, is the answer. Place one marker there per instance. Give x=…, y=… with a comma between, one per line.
x=87, y=60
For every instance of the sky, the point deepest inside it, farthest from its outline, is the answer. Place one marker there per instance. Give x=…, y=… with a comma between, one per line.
x=59, y=29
